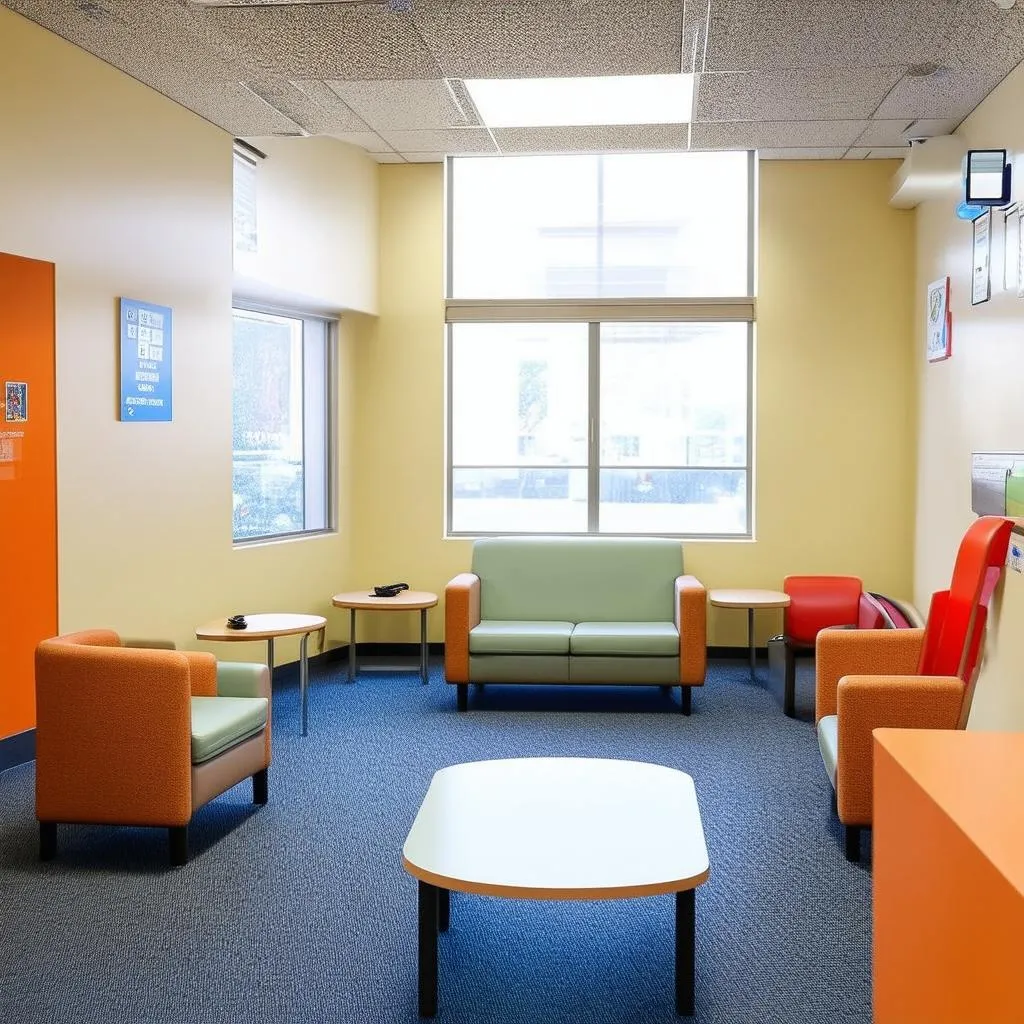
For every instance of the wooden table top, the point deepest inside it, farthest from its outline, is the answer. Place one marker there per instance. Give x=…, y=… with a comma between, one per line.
x=749, y=598
x=405, y=601
x=262, y=627
x=559, y=828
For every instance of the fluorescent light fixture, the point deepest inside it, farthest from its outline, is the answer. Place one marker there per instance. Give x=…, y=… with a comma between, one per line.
x=562, y=102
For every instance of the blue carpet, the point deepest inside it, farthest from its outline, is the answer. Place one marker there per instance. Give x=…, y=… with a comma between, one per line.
x=300, y=911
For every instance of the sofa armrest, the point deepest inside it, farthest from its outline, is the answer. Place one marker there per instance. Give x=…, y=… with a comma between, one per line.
x=461, y=614
x=113, y=735
x=843, y=652
x=691, y=618
x=242, y=679
x=866, y=703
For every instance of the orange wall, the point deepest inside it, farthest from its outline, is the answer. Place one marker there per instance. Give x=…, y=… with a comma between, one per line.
x=28, y=484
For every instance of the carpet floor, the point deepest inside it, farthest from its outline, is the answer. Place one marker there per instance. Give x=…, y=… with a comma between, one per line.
x=300, y=911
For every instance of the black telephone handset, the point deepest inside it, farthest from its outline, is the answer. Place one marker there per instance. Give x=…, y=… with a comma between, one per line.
x=390, y=589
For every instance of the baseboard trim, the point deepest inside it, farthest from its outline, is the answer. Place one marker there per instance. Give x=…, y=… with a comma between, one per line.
x=17, y=749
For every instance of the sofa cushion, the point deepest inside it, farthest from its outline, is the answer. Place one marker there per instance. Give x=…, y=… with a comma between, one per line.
x=577, y=579
x=221, y=722
x=520, y=637
x=828, y=743
x=631, y=638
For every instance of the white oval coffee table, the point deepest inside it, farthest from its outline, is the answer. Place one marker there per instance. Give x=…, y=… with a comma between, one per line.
x=557, y=828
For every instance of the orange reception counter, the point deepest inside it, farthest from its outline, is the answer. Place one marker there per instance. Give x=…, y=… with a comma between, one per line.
x=948, y=855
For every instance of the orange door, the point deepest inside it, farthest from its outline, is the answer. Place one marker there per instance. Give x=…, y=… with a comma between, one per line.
x=28, y=482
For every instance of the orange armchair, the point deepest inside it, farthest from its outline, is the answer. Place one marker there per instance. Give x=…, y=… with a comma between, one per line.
x=868, y=679
x=143, y=736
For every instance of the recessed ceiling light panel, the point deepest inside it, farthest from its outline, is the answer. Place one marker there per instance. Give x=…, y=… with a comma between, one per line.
x=565, y=102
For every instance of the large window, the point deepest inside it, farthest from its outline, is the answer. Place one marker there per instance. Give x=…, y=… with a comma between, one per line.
x=600, y=344
x=281, y=414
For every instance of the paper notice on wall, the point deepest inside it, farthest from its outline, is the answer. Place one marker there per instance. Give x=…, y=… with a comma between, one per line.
x=10, y=453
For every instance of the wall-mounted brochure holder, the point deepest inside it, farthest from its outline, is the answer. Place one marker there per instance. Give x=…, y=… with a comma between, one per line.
x=997, y=483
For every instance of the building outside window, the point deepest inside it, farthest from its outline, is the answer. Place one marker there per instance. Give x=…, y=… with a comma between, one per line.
x=600, y=351
x=281, y=424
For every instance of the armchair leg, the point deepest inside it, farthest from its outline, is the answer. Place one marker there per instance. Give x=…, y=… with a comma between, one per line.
x=853, y=843
x=463, y=695
x=835, y=803
x=789, y=687
x=178, y=842
x=260, y=792
x=686, y=693
x=47, y=840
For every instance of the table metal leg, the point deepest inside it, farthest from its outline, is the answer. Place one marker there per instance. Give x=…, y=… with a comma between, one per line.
x=352, y=645
x=686, y=923
x=270, y=659
x=444, y=909
x=428, y=907
x=424, y=653
x=304, y=678
x=750, y=640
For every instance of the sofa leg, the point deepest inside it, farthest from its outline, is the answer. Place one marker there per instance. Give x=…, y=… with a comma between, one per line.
x=835, y=803
x=666, y=689
x=47, y=840
x=463, y=695
x=178, y=844
x=686, y=693
x=789, y=687
x=853, y=843
x=260, y=790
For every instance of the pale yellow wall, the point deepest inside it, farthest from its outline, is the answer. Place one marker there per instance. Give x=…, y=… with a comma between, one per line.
x=971, y=402
x=835, y=420
x=307, y=189
x=129, y=194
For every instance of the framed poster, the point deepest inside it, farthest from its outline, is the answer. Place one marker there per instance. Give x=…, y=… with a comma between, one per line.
x=981, y=280
x=939, y=342
x=145, y=362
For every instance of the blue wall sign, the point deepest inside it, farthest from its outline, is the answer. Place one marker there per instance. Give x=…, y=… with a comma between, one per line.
x=145, y=361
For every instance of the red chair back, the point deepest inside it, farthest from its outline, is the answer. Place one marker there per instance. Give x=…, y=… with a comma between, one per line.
x=956, y=617
x=817, y=602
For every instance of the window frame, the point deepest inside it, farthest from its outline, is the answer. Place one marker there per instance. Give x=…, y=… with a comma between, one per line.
x=328, y=442
x=594, y=312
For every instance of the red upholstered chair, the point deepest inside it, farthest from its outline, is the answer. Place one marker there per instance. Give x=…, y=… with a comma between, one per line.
x=816, y=603
x=869, y=679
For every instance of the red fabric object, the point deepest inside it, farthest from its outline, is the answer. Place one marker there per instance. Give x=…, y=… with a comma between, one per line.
x=870, y=614
x=956, y=617
x=817, y=602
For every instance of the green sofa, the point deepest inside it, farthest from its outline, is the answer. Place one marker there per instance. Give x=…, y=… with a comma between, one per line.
x=576, y=610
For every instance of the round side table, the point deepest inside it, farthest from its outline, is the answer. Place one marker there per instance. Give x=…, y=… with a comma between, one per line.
x=267, y=627
x=407, y=600
x=751, y=600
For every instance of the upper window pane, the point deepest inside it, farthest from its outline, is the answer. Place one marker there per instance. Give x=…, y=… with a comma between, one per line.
x=653, y=225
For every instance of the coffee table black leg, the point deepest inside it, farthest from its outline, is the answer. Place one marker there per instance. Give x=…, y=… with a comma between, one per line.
x=444, y=912
x=428, y=907
x=686, y=923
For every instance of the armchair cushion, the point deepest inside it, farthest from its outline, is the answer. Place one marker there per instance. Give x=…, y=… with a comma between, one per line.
x=519, y=637
x=221, y=722
x=626, y=638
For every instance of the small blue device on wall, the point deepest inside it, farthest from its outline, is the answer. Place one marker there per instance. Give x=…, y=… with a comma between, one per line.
x=987, y=178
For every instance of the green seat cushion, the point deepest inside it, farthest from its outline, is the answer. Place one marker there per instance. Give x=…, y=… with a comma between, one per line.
x=828, y=744
x=520, y=637
x=577, y=579
x=643, y=638
x=221, y=722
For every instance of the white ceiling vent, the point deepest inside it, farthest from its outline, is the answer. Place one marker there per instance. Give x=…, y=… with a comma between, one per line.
x=932, y=168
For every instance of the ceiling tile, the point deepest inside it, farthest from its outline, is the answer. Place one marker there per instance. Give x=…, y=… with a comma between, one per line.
x=946, y=94
x=900, y=131
x=325, y=41
x=334, y=114
x=369, y=141
x=489, y=39
x=450, y=140
x=878, y=153
x=775, y=134
x=402, y=104
x=835, y=153
x=233, y=107
x=746, y=35
x=425, y=158
x=299, y=106
x=592, y=139
x=811, y=95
